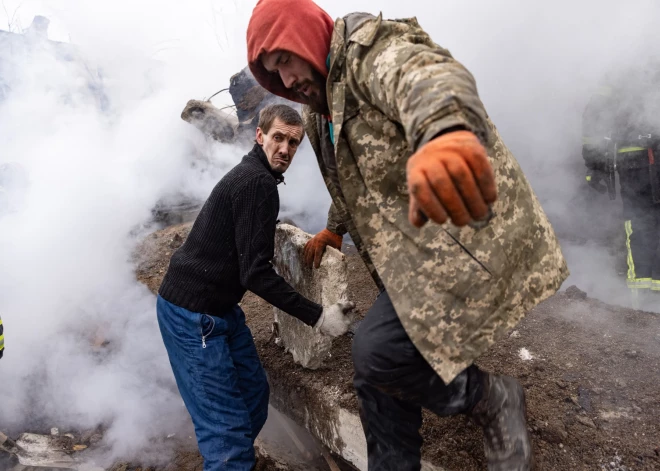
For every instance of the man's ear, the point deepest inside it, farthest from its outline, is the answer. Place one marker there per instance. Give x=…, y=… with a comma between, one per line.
x=260, y=137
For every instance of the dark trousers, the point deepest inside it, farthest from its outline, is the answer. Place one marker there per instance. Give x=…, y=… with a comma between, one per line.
x=394, y=382
x=642, y=224
x=221, y=381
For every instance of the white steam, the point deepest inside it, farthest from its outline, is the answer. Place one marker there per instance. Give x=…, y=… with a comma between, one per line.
x=98, y=132
x=96, y=128
x=99, y=158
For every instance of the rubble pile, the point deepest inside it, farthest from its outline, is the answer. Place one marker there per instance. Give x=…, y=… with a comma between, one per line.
x=589, y=404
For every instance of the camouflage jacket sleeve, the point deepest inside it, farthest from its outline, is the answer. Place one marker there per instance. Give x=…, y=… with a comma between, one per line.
x=417, y=83
x=336, y=223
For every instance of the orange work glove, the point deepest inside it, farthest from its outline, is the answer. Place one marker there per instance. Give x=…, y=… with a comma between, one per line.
x=314, y=248
x=450, y=177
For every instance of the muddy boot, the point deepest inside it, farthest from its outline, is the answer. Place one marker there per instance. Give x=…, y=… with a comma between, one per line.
x=501, y=413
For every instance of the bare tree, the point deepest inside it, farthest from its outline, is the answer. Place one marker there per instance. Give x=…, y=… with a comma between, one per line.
x=214, y=25
x=13, y=23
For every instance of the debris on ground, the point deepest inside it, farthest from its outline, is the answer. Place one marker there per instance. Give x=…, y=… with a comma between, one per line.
x=588, y=394
x=525, y=355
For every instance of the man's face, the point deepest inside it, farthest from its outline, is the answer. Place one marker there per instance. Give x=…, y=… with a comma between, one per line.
x=300, y=76
x=280, y=144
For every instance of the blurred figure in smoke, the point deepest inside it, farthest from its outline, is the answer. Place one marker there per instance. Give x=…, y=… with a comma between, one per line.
x=405, y=145
x=2, y=338
x=621, y=134
x=13, y=184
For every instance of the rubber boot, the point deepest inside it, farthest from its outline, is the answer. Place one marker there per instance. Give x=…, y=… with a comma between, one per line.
x=502, y=414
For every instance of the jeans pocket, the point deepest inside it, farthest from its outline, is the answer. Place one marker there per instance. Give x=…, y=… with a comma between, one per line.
x=207, y=325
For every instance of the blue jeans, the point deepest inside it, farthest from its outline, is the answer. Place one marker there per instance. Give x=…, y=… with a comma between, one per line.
x=221, y=381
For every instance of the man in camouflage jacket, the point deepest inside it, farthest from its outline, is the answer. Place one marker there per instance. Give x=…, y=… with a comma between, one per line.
x=404, y=145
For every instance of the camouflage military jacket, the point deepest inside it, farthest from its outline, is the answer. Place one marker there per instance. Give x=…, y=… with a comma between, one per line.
x=456, y=290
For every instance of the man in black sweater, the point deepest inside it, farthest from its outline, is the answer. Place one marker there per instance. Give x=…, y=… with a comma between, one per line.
x=229, y=251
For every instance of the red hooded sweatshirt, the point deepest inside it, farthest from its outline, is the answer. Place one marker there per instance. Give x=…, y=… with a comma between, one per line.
x=297, y=26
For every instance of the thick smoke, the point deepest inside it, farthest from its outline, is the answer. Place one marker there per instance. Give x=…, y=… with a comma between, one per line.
x=96, y=127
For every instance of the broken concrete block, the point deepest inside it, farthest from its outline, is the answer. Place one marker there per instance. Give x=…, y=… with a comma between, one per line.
x=326, y=285
x=212, y=121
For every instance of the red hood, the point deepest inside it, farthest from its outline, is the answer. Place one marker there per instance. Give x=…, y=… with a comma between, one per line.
x=297, y=26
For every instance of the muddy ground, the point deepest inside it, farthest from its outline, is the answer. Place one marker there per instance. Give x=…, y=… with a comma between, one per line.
x=591, y=372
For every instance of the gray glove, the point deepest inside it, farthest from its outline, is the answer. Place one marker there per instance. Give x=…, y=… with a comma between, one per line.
x=334, y=321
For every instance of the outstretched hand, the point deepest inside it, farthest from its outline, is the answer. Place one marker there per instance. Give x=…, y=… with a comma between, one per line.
x=450, y=177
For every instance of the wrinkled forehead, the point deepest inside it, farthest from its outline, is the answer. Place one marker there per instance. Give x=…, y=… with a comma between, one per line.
x=290, y=131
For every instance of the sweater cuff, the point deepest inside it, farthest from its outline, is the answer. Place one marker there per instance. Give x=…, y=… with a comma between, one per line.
x=310, y=313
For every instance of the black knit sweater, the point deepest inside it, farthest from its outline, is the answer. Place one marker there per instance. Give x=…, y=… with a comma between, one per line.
x=231, y=245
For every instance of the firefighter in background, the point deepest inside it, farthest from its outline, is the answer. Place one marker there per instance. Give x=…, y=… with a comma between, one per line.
x=2, y=338
x=622, y=134
x=597, y=127
x=13, y=183
x=4, y=205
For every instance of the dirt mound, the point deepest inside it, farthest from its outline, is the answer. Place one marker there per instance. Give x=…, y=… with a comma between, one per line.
x=590, y=371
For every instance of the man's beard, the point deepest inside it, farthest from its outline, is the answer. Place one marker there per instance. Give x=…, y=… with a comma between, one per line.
x=318, y=100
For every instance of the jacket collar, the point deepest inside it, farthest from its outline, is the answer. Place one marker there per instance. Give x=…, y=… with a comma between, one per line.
x=257, y=153
x=360, y=28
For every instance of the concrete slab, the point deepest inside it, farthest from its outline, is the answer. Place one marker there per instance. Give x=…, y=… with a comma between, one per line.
x=317, y=409
x=326, y=285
